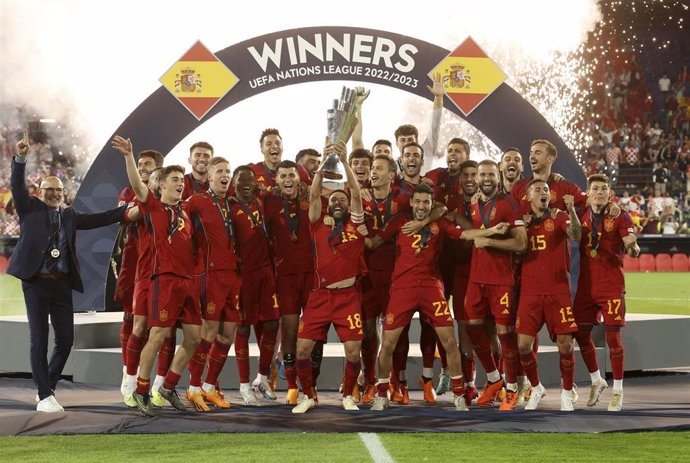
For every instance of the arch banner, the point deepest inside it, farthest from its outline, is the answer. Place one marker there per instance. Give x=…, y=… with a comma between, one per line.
x=475, y=88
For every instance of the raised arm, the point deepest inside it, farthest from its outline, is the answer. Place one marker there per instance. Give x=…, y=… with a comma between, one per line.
x=575, y=227
x=125, y=147
x=315, y=197
x=355, y=190
x=20, y=195
x=357, y=139
x=430, y=145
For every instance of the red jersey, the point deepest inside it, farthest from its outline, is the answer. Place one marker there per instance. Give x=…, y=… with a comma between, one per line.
x=288, y=226
x=379, y=212
x=252, y=239
x=463, y=248
x=216, y=246
x=404, y=185
x=603, y=273
x=128, y=261
x=546, y=265
x=416, y=261
x=338, y=252
x=192, y=185
x=171, y=234
x=267, y=177
x=144, y=239
x=558, y=188
x=445, y=184
x=492, y=266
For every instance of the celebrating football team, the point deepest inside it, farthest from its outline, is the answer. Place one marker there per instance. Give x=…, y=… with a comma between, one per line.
x=364, y=242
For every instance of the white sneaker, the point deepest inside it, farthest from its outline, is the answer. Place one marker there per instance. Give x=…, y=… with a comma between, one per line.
x=616, y=402
x=460, y=404
x=307, y=404
x=349, y=403
x=49, y=405
x=261, y=384
x=524, y=394
x=595, y=392
x=248, y=395
x=567, y=399
x=380, y=403
x=538, y=392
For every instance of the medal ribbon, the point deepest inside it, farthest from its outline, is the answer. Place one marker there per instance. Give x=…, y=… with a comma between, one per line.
x=337, y=231
x=486, y=219
x=174, y=224
x=387, y=210
x=225, y=215
x=269, y=176
x=596, y=220
x=426, y=234
x=293, y=222
x=261, y=223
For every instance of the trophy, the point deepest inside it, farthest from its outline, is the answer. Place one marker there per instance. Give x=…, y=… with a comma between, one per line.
x=341, y=120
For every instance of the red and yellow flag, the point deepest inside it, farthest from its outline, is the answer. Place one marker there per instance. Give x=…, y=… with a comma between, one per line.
x=199, y=80
x=469, y=76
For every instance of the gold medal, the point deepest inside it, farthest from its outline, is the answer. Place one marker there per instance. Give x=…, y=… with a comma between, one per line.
x=55, y=253
x=593, y=253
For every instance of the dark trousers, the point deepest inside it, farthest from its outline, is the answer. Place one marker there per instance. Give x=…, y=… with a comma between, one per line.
x=44, y=299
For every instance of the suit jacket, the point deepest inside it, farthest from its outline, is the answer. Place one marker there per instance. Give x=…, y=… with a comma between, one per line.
x=36, y=230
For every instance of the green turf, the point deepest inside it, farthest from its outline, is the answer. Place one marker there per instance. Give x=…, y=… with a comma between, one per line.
x=11, y=297
x=312, y=447
x=662, y=293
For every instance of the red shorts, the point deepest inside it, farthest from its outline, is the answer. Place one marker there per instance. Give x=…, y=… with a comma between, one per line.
x=258, y=299
x=140, y=299
x=377, y=295
x=222, y=296
x=341, y=307
x=170, y=298
x=429, y=300
x=459, y=293
x=593, y=308
x=552, y=309
x=293, y=292
x=483, y=300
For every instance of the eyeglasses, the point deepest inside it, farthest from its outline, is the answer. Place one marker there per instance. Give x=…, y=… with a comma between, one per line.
x=53, y=190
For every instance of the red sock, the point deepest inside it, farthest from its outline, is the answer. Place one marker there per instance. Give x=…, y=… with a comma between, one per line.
x=382, y=389
x=468, y=366
x=351, y=372
x=616, y=351
x=258, y=331
x=457, y=386
x=567, y=369
x=171, y=380
x=242, y=355
x=482, y=346
x=216, y=360
x=125, y=333
x=400, y=355
x=528, y=362
x=510, y=355
x=134, y=346
x=303, y=367
x=198, y=362
x=165, y=356
x=316, y=358
x=267, y=349
x=369, y=354
x=143, y=385
x=587, y=349
x=427, y=343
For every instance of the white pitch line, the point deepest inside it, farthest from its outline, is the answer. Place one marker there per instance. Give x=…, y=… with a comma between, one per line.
x=375, y=447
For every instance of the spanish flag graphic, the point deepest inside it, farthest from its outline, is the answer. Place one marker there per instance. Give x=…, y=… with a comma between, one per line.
x=469, y=76
x=199, y=80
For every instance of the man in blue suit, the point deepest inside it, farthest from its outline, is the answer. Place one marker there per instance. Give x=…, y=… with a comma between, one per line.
x=45, y=259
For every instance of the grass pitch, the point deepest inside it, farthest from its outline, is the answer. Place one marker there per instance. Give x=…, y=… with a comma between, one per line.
x=312, y=447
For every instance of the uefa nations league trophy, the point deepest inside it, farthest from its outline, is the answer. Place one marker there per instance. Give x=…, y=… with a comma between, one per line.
x=341, y=121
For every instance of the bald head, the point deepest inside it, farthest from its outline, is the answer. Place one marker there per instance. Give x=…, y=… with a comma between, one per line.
x=52, y=191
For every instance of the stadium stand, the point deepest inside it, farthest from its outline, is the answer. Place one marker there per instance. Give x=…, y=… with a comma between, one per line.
x=647, y=263
x=631, y=264
x=680, y=263
x=663, y=262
